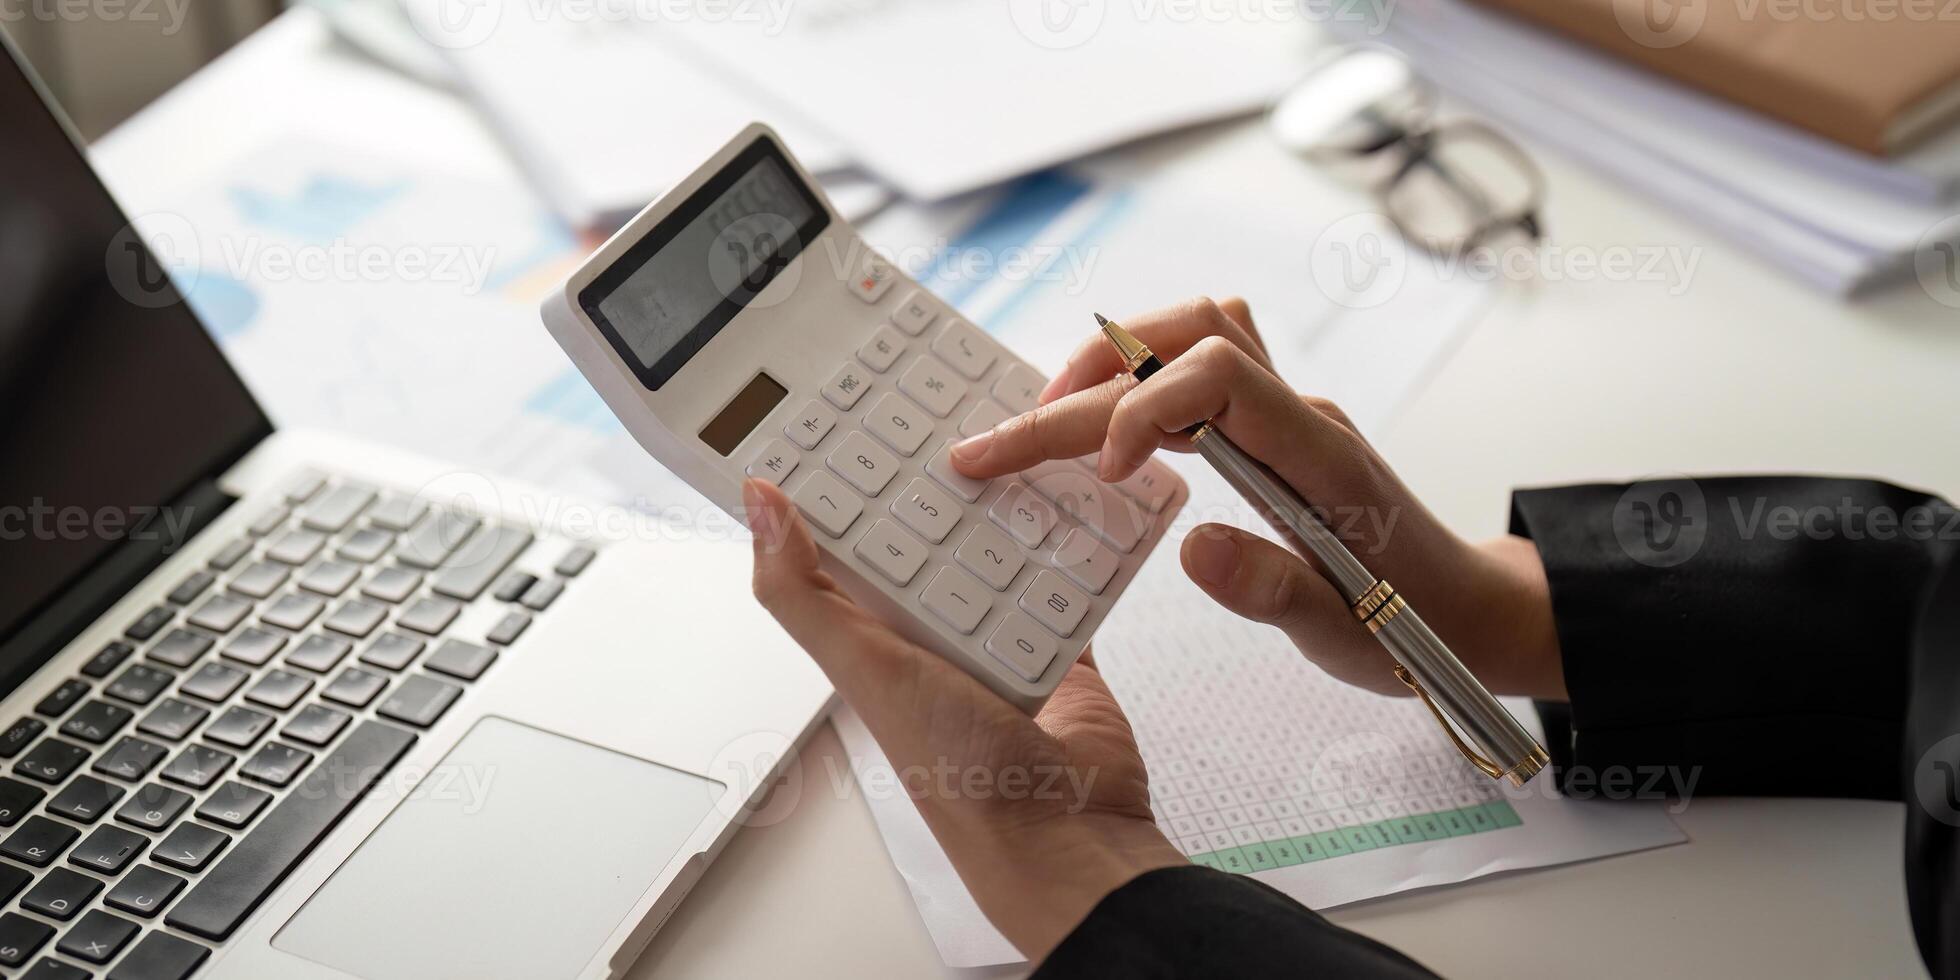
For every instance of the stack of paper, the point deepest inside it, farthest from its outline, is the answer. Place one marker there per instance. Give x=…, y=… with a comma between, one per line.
x=1833, y=217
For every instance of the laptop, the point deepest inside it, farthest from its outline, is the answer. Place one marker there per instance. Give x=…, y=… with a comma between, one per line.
x=281, y=704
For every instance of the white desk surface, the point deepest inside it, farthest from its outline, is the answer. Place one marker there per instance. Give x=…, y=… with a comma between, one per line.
x=1744, y=371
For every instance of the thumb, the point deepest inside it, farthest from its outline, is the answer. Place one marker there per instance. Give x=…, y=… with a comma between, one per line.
x=1266, y=583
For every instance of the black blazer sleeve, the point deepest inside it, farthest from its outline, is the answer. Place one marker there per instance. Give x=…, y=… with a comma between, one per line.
x=1764, y=635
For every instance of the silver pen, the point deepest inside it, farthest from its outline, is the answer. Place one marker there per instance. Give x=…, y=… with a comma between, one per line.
x=1489, y=737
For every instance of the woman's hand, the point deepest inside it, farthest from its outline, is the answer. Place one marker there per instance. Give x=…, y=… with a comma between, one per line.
x=1042, y=816
x=1490, y=602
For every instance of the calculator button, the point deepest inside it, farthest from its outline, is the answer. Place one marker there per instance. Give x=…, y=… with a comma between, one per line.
x=957, y=598
x=932, y=384
x=913, y=315
x=984, y=416
x=940, y=468
x=1023, y=646
x=1115, y=518
x=810, y=425
x=871, y=282
x=899, y=424
x=1152, y=485
x=775, y=462
x=882, y=349
x=1022, y=513
x=1019, y=387
x=862, y=464
x=846, y=387
x=1057, y=604
x=969, y=351
x=830, y=505
x=926, y=509
x=991, y=555
x=1085, y=561
x=895, y=554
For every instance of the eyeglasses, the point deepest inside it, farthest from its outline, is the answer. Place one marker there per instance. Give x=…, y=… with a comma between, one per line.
x=1449, y=188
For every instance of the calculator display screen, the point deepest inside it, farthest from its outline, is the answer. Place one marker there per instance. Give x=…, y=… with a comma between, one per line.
x=677, y=287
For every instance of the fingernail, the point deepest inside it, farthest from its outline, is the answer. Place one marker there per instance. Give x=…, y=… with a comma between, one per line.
x=1056, y=385
x=1105, y=466
x=1214, y=559
x=758, y=514
x=972, y=449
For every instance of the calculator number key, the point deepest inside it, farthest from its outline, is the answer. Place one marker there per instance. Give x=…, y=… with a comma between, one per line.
x=969, y=351
x=774, y=463
x=810, y=425
x=1055, y=603
x=913, y=315
x=932, y=384
x=882, y=349
x=1022, y=513
x=830, y=505
x=940, y=468
x=847, y=386
x=863, y=464
x=894, y=553
x=984, y=416
x=991, y=555
x=926, y=509
x=1019, y=387
x=957, y=598
x=1023, y=646
x=899, y=424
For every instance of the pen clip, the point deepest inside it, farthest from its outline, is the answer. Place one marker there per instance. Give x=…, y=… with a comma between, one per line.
x=1483, y=764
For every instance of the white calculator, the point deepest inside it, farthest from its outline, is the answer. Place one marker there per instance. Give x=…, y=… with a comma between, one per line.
x=740, y=327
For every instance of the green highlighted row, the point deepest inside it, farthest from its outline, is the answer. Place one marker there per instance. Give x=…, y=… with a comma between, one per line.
x=1367, y=837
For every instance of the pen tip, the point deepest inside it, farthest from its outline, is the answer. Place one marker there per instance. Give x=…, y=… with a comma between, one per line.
x=1101, y=321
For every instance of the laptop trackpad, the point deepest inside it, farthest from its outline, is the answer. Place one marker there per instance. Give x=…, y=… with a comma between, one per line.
x=516, y=857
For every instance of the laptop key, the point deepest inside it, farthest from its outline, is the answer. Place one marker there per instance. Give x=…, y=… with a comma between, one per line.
x=263, y=859
x=508, y=629
x=254, y=646
x=397, y=513
x=230, y=554
x=160, y=956
x=574, y=560
x=318, y=653
x=301, y=487
x=239, y=727
x=97, y=721
x=38, y=841
x=189, y=846
x=429, y=614
x=419, y=700
x=20, y=936
x=108, y=849
x=140, y=684
x=107, y=659
x=150, y=622
x=469, y=571
x=220, y=613
x=52, y=969
x=191, y=587
x=97, y=938
x=268, y=520
x=19, y=734
x=260, y=579
x=213, y=682
x=275, y=764
x=329, y=578
x=459, y=658
x=356, y=617
x=181, y=648
x=392, y=584
x=293, y=611
x=355, y=687
x=153, y=806
x=198, y=766
x=145, y=891
x=173, y=719
x=514, y=586
x=543, y=594
x=366, y=545
x=392, y=651
x=233, y=805
x=132, y=758
x=296, y=547
x=60, y=894
x=85, y=800
x=16, y=798
x=12, y=880
x=62, y=698
x=279, y=689
x=51, y=761
x=315, y=725
x=433, y=538
x=338, y=508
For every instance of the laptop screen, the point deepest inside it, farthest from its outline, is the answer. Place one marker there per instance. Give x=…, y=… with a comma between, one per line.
x=113, y=398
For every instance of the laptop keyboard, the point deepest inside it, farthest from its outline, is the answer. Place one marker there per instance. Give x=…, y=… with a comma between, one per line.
x=153, y=801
